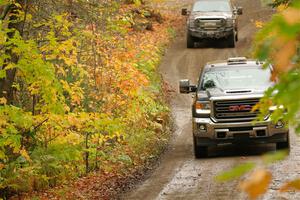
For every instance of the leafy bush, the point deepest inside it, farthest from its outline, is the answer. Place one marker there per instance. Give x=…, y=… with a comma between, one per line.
x=79, y=90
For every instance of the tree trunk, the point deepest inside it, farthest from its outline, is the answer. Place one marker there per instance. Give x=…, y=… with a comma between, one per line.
x=15, y=24
x=87, y=167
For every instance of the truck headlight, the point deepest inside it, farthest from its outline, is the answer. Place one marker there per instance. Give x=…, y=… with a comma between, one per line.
x=229, y=22
x=223, y=22
x=202, y=107
x=191, y=23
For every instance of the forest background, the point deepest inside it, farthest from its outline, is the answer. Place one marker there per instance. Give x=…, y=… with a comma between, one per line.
x=79, y=90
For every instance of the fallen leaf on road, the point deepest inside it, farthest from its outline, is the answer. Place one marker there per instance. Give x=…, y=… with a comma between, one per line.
x=259, y=24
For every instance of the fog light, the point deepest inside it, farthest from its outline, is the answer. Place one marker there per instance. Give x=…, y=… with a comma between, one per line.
x=279, y=124
x=202, y=127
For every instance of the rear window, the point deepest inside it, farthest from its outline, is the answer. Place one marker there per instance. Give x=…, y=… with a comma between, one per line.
x=237, y=78
x=211, y=6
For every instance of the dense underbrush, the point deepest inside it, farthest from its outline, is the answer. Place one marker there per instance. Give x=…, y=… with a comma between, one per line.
x=85, y=94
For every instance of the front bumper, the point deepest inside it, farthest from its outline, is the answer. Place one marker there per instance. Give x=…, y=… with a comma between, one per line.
x=213, y=34
x=237, y=132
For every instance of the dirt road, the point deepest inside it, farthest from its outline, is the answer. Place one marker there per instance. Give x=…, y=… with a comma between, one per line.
x=179, y=175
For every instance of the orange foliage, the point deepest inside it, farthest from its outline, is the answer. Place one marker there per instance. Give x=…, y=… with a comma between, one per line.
x=257, y=184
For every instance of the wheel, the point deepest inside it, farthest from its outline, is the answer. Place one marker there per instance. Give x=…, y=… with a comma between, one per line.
x=236, y=34
x=284, y=145
x=200, y=151
x=231, y=40
x=190, y=41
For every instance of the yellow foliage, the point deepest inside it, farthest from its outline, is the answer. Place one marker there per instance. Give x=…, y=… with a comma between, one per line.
x=82, y=86
x=281, y=8
x=293, y=185
x=3, y=101
x=257, y=184
x=259, y=24
x=24, y=153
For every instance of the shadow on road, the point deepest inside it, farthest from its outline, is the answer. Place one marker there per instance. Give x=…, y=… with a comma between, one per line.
x=240, y=150
x=212, y=43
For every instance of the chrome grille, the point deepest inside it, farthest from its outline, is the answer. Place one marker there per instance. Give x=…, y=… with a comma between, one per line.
x=210, y=24
x=235, y=110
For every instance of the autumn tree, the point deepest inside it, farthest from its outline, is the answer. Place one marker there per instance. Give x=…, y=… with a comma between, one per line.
x=278, y=43
x=79, y=90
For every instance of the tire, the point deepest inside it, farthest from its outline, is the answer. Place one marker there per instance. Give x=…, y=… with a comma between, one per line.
x=231, y=40
x=284, y=145
x=190, y=41
x=236, y=34
x=200, y=151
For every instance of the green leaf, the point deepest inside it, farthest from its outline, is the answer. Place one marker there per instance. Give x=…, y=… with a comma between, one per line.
x=4, y=2
x=236, y=172
x=275, y=157
x=125, y=159
x=2, y=74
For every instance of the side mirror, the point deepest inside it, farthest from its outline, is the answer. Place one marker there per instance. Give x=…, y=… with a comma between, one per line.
x=239, y=10
x=184, y=11
x=185, y=87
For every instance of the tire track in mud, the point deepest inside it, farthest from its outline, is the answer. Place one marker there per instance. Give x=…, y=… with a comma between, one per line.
x=194, y=177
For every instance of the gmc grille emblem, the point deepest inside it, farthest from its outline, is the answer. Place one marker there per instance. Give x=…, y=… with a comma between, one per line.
x=240, y=108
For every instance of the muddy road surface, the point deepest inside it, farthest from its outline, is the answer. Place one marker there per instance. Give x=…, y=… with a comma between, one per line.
x=180, y=175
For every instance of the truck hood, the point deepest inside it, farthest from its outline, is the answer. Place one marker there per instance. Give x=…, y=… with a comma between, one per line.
x=207, y=15
x=237, y=93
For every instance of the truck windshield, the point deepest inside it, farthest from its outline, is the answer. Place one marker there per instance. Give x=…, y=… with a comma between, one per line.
x=237, y=78
x=211, y=6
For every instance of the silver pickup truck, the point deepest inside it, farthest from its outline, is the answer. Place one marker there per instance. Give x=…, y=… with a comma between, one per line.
x=223, y=105
x=212, y=19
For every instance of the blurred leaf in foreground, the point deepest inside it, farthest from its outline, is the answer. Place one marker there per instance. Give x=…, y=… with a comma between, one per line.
x=274, y=157
x=293, y=185
x=257, y=184
x=236, y=172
